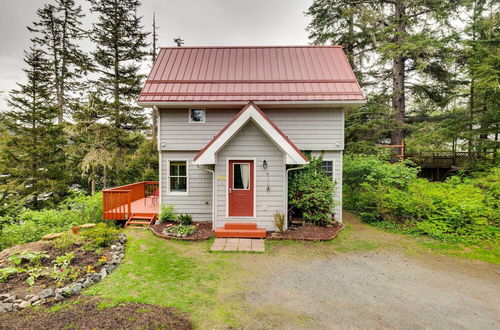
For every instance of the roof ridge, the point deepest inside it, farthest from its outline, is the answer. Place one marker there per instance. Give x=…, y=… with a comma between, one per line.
x=260, y=46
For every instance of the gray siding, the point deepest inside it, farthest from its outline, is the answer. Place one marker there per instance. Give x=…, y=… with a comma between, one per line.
x=250, y=142
x=309, y=129
x=198, y=202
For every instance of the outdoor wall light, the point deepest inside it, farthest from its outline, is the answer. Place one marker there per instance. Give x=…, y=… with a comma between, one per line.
x=264, y=164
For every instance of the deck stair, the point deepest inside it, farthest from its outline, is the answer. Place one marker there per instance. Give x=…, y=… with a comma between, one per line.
x=240, y=230
x=140, y=221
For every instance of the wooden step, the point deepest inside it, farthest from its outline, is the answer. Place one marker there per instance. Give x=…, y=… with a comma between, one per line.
x=240, y=233
x=240, y=225
x=139, y=222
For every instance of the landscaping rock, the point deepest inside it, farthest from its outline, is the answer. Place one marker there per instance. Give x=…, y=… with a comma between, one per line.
x=110, y=268
x=103, y=273
x=38, y=302
x=71, y=289
x=24, y=304
x=6, y=307
x=15, y=307
x=4, y=296
x=10, y=299
x=47, y=293
x=33, y=299
x=96, y=277
x=114, y=247
x=87, y=283
x=28, y=297
x=18, y=301
x=58, y=297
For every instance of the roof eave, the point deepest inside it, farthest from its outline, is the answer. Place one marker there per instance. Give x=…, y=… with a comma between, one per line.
x=333, y=104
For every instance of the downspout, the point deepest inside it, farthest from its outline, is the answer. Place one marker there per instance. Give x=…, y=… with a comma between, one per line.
x=213, y=192
x=286, y=190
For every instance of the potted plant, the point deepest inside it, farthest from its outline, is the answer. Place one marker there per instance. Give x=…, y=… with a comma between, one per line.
x=75, y=229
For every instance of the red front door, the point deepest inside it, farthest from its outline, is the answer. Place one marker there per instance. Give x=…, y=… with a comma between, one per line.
x=241, y=188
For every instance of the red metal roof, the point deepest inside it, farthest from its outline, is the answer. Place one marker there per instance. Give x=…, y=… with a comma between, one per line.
x=253, y=73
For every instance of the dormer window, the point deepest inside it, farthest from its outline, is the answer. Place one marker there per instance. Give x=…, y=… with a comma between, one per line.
x=196, y=115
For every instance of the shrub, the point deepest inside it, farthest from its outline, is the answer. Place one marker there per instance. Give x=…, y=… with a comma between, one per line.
x=458, y=209
x=279, y=221
x=30, y=225
x=184, y=219
x=31, y=257
x=66, y=242
x=310, y=192
x=100, y=236
x=167, y=213
x=181, y=230
x=6, y=272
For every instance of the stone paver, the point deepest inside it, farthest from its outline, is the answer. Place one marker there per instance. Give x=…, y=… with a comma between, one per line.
x=238, y=244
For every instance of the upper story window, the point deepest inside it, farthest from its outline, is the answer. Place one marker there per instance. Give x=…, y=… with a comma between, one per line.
x=196, y=115
x=327, y=167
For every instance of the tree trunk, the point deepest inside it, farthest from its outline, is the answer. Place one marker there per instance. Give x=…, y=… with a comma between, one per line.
x=398, y=78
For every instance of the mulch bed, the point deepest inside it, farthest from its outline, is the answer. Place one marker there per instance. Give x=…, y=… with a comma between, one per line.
x=16, y=283
x=83, y=313
x=308, y=232
x=203, y=231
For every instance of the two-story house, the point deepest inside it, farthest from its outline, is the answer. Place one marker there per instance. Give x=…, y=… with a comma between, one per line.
x=234, y=121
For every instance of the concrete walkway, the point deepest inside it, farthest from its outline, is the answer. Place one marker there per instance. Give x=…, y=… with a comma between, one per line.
x=238, y=244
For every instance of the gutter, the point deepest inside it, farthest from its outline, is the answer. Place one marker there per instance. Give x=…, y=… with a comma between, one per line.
x=286, y=190
x=214, y=189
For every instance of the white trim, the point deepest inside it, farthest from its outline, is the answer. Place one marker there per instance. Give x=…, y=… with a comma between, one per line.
x=293, y=156
x=177, y=193
x=197, y=122
x=229, y=103
x=254, y=186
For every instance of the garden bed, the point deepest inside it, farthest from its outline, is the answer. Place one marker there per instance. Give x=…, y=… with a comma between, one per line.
x=202, y=231
x=308, y=232
x=41, y=272
x=86, y=314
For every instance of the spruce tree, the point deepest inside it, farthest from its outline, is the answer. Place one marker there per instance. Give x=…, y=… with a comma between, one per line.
x=398, y=40
x=32, y=158
x=58, y=32
x=120, y=47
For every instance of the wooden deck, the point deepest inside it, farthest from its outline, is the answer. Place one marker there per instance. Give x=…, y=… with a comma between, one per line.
x=139, y=200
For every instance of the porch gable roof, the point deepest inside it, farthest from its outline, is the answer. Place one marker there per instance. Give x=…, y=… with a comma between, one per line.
x=294, y=156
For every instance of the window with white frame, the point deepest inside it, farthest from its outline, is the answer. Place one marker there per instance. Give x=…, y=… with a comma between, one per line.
x=196, y=115
x=327, y=167
x=177, y=177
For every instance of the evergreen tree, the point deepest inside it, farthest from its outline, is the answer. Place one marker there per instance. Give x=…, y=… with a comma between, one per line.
x=32, y=158
x=58, y=31
x=401, y=41
x=121, y=43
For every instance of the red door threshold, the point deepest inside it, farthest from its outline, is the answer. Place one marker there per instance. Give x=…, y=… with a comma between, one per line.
x=240, y=230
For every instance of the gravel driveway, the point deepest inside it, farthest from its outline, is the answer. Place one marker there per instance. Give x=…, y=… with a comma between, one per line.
x=373, y=290
x=380, y=290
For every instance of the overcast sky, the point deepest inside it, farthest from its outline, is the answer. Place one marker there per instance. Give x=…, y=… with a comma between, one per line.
x=198, y=22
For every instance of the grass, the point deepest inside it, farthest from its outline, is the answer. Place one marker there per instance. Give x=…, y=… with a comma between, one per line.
x=162, y=272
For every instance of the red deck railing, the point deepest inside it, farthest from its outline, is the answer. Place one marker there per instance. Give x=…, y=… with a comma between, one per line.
x=117, y=201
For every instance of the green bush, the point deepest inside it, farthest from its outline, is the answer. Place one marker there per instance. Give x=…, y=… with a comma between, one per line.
x=181, y=230
x=458, y=209
x=66, y=242
x=100, y=236
x=310, y=193
x=167, y=213
x=184, y=219
x=30, y=225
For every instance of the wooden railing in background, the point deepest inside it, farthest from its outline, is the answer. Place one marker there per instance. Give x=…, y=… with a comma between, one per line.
x=116, y=202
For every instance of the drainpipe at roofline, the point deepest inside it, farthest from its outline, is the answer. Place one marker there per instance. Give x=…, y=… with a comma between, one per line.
x=286, y=190
x=213, y=192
